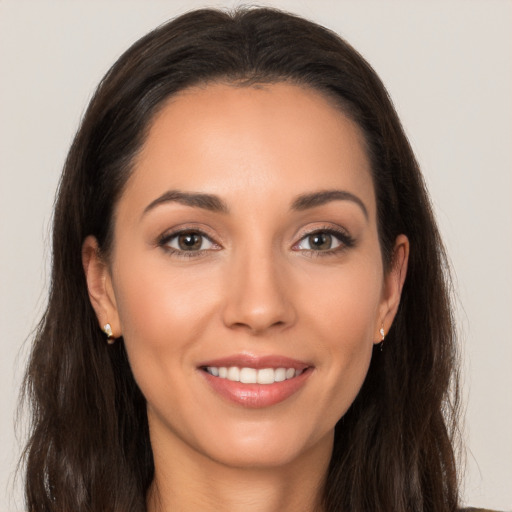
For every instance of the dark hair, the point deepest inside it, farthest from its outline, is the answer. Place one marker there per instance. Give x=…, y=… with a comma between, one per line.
x=89, y=447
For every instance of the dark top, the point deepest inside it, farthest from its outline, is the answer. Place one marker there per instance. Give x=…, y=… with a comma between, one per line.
x=471, y=509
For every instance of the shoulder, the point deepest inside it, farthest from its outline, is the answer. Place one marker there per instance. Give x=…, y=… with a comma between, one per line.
x=471, y=509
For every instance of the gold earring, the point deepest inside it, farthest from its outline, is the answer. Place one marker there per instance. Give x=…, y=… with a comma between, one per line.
x=108, y=331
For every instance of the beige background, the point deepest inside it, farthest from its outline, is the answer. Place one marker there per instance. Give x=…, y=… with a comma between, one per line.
x=448, y=67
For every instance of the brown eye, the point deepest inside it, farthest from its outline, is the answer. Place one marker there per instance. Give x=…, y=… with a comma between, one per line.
x=320, y=241
x=189, y=241
x=323, y=241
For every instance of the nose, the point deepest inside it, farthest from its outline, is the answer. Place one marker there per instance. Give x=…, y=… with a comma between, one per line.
x=257, y=295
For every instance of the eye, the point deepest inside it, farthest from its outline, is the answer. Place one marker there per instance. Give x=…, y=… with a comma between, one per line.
x=188, y=241
x=324, y=240
x=319, y=241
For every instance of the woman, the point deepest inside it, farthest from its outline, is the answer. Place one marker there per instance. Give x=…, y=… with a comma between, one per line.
x=238, y=214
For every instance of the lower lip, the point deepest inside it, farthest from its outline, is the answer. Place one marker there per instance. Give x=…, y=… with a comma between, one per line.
x=256, y=395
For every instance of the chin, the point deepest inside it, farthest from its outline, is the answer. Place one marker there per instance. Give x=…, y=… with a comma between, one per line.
x=264, y=446
x=263, y=455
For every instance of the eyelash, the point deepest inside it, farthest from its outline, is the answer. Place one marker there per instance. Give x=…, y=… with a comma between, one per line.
x=346, y=242
x=164, y=240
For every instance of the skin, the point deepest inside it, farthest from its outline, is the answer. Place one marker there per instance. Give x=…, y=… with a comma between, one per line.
x=257, y=287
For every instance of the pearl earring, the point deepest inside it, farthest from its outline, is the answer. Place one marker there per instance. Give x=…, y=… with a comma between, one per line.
x=108, y=331
x=382, y=336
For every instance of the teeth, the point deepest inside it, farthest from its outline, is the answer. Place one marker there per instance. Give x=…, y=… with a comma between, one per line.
x=280, y=375
x=234, y=374
x=266, y=376
x=252, y=375
x=248, y=375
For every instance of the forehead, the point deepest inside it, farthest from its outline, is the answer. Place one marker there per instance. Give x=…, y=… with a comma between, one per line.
x=270, y=140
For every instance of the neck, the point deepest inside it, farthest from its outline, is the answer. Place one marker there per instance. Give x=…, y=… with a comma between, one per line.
x=190, y=481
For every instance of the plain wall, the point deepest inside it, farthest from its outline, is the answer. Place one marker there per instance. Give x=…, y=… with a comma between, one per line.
x=448, y=68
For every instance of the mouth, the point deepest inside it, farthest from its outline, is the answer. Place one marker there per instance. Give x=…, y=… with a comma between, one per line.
x=246, y=375
x=256, y=382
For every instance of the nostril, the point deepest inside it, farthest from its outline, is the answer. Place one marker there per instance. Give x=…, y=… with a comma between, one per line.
x=257, y=302
x=257, y=327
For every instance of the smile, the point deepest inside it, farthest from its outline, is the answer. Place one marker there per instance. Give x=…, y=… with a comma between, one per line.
x=255, y=381
x=253, y=375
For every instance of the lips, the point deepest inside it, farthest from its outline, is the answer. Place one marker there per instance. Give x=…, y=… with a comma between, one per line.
x=256, y=382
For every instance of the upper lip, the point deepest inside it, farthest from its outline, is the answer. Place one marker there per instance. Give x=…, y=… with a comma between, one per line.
x=257, y=362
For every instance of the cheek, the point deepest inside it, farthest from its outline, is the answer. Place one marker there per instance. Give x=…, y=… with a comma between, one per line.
x=161, y=324
x=155, y=303
x=345, y=320
x=344, y=303
x=164, y=313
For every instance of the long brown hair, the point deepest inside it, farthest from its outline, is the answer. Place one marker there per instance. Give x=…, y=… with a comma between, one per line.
x=89, y=448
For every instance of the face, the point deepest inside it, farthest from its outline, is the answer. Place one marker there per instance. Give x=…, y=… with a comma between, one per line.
x=246, y=275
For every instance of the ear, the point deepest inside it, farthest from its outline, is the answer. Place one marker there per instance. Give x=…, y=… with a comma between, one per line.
x=99, y=285
x=393, y=285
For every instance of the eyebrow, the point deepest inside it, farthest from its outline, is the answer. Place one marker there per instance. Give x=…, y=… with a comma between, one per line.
x=195, y=199
x=306, y=201
x=216, y=204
